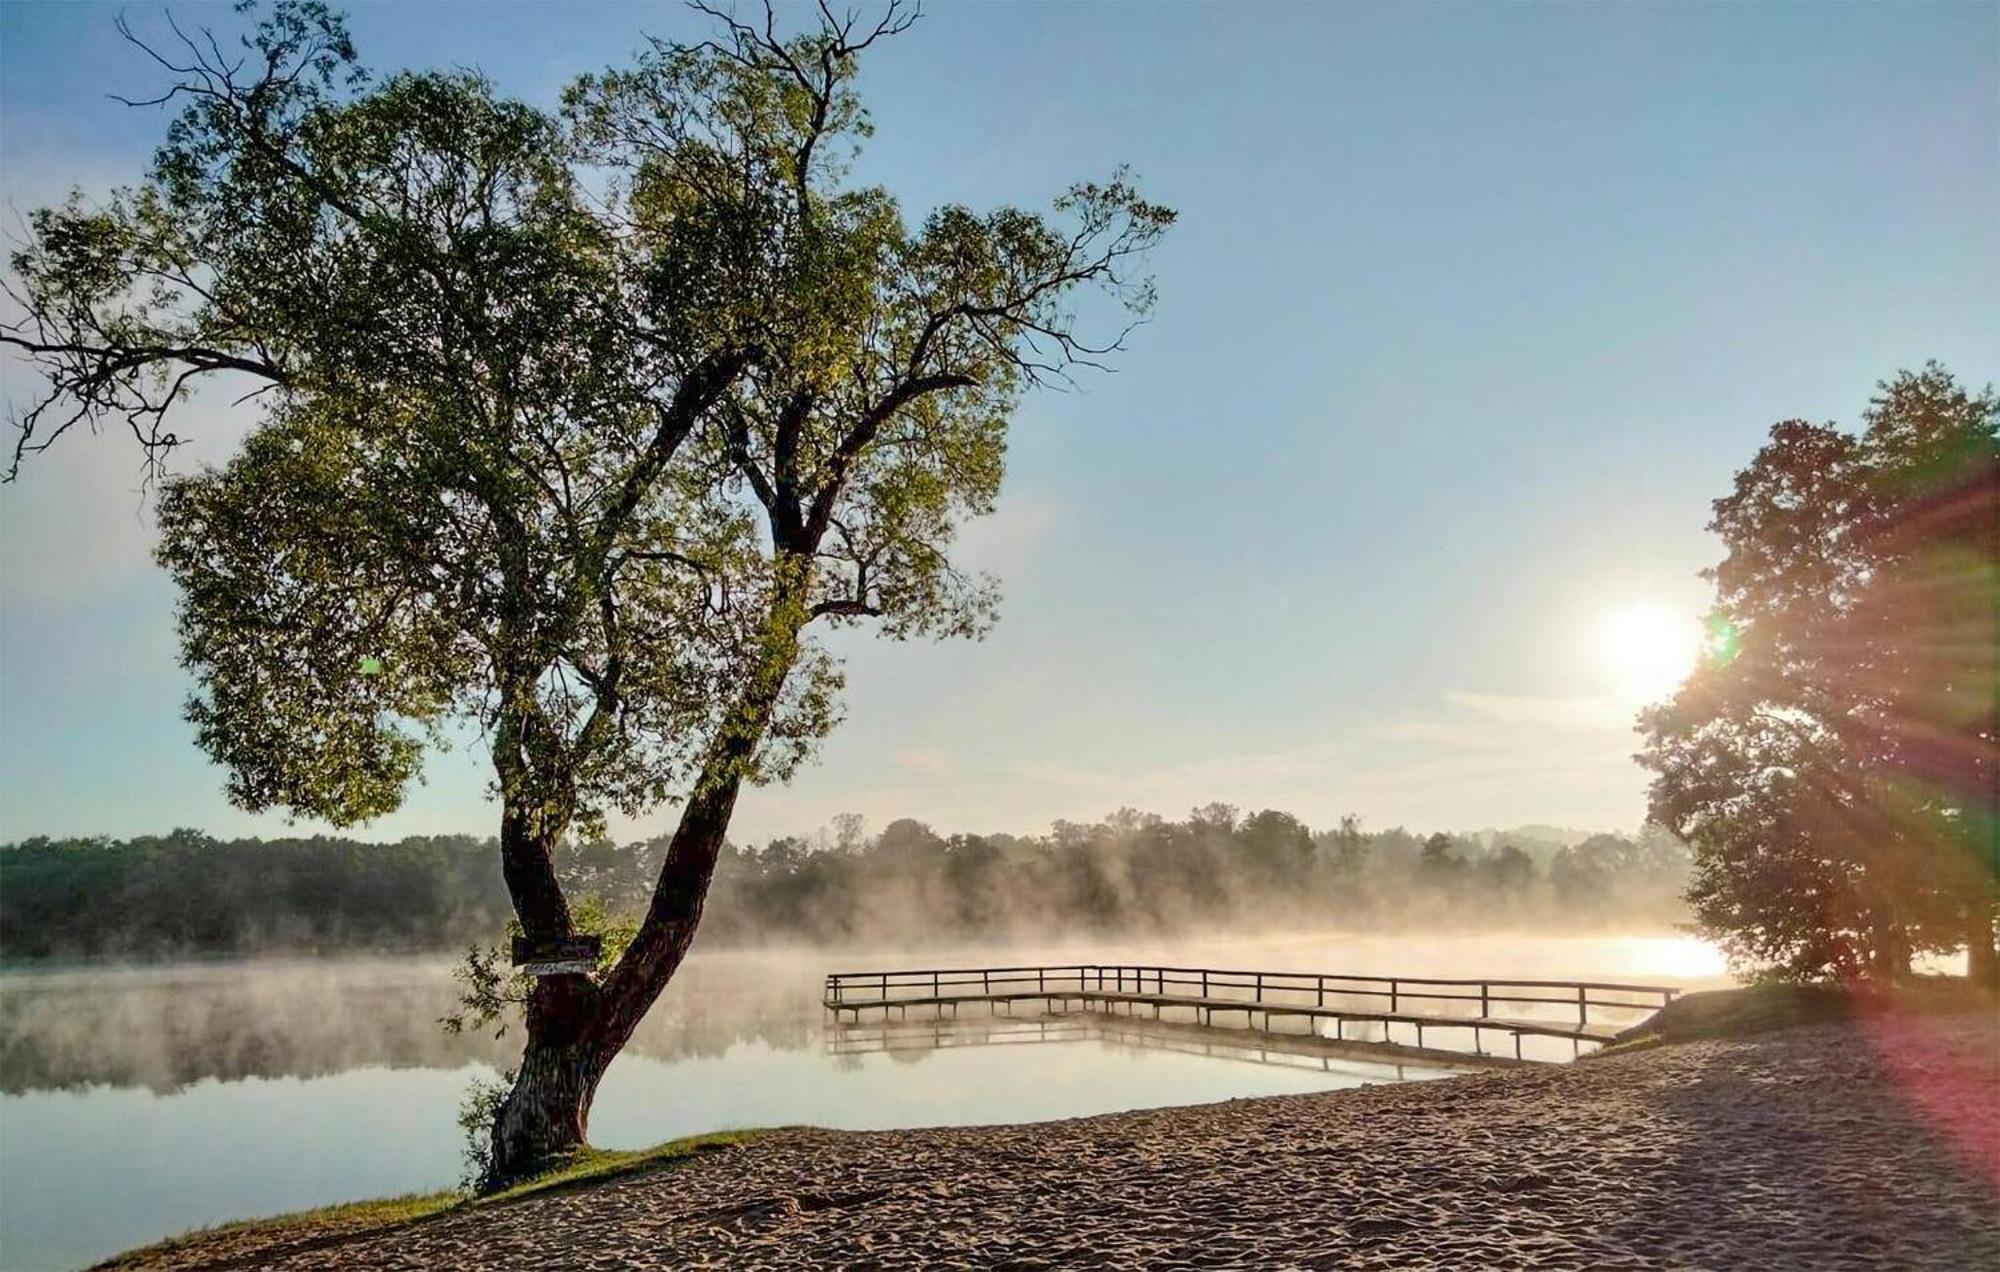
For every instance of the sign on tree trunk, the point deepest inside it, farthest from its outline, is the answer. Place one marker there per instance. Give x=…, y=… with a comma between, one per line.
x=560, y=957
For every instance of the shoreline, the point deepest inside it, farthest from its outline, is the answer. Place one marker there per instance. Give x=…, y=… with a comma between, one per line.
x=1860, y=1142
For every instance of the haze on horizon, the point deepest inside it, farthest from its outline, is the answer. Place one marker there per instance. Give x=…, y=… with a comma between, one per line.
x=1395, y=506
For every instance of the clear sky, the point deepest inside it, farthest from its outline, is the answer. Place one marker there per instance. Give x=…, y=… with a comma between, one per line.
x=1470, y=312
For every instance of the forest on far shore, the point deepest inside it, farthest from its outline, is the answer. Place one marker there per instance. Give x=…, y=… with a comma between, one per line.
x=1133, y=873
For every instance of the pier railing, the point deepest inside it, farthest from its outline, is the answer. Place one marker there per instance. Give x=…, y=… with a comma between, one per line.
x=1434, y=997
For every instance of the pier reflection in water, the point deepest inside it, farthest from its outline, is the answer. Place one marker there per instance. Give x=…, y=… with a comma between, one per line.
x=1348, y=1062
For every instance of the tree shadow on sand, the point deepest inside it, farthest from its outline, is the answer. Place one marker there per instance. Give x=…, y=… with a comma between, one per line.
x=1825, y=1149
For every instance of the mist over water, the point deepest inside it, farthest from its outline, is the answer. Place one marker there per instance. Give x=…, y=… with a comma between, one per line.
x=140, y=1101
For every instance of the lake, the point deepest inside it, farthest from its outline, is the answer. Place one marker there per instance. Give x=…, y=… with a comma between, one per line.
x=137, y=1102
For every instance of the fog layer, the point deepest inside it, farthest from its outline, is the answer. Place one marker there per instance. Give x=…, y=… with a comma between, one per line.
x=1131, y=876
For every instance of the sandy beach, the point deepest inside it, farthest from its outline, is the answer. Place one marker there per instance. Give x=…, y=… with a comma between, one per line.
x=1866, y=1144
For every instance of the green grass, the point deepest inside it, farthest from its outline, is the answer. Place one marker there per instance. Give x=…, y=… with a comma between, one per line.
x=268, y=1237
x=594, y=1164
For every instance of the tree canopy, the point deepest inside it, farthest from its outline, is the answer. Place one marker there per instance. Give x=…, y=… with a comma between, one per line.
x=576, y=425
x=1834, y=762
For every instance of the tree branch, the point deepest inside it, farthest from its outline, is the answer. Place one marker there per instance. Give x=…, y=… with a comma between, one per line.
x=699, y=390
x=857, y=439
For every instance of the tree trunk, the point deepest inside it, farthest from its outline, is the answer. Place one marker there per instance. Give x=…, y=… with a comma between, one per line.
x=575, y=1029
x=669, y=927
x=1889, y=955
x=1982, y=954
x=547, y=1113
x=576, y=1026
x=674, y=913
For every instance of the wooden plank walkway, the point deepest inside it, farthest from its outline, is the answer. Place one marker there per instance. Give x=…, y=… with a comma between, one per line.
x=1418, y=1003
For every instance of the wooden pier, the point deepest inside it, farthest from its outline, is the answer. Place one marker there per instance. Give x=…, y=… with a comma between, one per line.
x=1520, y=1008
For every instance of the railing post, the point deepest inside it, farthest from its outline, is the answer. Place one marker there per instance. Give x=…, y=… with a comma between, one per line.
x=1204, y=982
x=1321, y=1000
x=1582, y=1007
x=1485, y=1005
x=1259, y=989
x=1392, y=998
x=986, y=981
x=1041, y=987
x=934, y=985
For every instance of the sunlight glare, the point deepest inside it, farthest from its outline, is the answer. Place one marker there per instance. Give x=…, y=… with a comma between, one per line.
x=1650, y=650
x=1680, y=958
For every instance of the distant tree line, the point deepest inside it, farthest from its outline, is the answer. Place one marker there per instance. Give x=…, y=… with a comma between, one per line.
x=189, y=893
x=1132, y=873
x=1138, y=873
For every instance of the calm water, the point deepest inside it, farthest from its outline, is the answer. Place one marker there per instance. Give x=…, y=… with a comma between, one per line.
x=140, y=1102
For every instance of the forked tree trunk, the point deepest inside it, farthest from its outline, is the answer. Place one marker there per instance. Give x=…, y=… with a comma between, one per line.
x=546, y=1112
x=576, y=1026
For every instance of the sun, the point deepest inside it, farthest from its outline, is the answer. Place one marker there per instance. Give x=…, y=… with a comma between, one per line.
x=1649, y=650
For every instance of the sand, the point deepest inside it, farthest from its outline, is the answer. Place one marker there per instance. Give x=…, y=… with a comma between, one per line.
x=1870, y=1144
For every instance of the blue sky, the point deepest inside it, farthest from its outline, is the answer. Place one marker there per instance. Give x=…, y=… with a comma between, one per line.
x=1470, y=312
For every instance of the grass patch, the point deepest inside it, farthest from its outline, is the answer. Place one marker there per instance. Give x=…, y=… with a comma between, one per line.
x=1754, y=1009
x=593, y=1165
x=254, y=1240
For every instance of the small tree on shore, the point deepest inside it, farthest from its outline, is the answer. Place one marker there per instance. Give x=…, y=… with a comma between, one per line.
x=1834, y=762
x=574, y=427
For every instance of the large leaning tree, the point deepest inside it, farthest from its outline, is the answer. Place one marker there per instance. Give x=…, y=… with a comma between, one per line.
x=570, y=427
x=1835, y=763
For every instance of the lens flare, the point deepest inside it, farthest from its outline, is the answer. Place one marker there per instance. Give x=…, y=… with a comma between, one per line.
x=1725, y=641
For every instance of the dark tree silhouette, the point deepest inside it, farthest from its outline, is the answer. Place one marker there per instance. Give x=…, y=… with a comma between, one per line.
x=1835, y=760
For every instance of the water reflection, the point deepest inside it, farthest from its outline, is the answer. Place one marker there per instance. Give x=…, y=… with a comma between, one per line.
x=1355, y=1060
x=143, y=1102
x=164, y=1028
x=139, y=1102
x=161, y=1029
